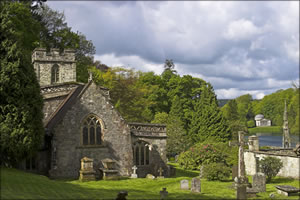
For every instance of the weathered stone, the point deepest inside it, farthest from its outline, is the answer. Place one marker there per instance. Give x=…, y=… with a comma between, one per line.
x=253, y=143
x=234, y=171
x=287, y=190
x=87, y=172
x=160, y=171
x=259, y=182
x=163, y=193
x=196, y=185
x=184, y=184
x=286, y=140
x=134, y=175
x=150, y=176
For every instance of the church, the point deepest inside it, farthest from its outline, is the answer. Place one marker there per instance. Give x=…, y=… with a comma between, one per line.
x=80, y=121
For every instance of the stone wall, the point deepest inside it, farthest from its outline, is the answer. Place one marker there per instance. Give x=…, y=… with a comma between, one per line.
x=44, y=61
x=291, y=164
x=67, y=136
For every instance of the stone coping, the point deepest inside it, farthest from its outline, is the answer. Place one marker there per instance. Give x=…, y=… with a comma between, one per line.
x=91, y=146
x=275, y=153
x=146, y=124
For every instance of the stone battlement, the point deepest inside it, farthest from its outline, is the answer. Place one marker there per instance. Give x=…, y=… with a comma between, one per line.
x=54, y=55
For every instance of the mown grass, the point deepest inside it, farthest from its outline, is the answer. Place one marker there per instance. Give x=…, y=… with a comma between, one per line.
x=16, y=184
x=265, y=129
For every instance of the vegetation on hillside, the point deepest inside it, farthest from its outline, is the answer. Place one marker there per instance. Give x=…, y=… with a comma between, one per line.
x=242, y=110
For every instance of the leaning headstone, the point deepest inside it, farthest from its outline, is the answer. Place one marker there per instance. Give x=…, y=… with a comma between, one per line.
x=259, y=182
x=163, y=193
x=122, y=195
x=184, y=184
x=134, y=175
x=196, y=185
x=150, y=176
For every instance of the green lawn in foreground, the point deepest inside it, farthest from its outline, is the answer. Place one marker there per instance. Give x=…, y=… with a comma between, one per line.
x=16, y=184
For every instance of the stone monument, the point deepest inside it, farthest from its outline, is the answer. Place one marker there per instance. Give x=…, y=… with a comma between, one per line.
x=109, y=171
x=253, y=143
x=87, y=172
x=134, y=175
x=184, y=184
x=259, y=182
x=286, y=140
x=241, y=180
x=160, y=171
x=196, y=185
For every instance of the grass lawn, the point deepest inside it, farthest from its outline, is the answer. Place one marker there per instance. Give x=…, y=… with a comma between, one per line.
x=16, y=184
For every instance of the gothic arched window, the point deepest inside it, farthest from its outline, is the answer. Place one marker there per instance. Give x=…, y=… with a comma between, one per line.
x=141, y=153
x=91, y=133
x=55, y=74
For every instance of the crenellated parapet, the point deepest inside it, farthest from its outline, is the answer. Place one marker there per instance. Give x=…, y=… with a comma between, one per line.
x=148, y=130
x=54, y=55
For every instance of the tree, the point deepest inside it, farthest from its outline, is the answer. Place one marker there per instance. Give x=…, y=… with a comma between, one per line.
x=208, y=122
x=21, y=104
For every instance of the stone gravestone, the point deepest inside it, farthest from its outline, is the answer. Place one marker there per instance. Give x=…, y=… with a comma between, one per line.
x=259, y=182
x=201, y=172
x=163, y=193
x=160, y=171
x=87, y=172
x=196, y=185
x=184, y=184
x=134, y=175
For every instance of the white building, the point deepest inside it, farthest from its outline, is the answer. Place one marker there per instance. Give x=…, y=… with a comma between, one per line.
x=261, y=121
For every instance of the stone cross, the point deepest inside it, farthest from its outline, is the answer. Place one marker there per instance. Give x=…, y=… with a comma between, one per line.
x=241, y=179
x=134, y=169
x=286, y=140
x=160, y=171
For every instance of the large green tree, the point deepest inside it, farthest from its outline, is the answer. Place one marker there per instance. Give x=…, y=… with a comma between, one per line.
x=21, y=104
x=208, y=122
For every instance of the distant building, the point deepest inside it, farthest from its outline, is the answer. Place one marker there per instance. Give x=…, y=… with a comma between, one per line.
x=261, y=121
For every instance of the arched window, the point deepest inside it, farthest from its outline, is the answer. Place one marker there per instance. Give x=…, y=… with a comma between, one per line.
x=55, y=74
x=141, y=153
x=91, y=132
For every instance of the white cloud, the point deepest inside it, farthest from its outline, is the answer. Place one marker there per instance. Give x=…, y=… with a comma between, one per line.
x=241, y=29
x=238, y=46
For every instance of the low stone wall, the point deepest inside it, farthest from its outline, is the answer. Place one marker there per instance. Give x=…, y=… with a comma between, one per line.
x=291, y=164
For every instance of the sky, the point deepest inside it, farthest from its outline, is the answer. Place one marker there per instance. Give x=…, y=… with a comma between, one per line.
x=240, y=47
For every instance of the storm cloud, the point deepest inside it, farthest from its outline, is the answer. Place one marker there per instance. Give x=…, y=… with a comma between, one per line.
x=239, y=47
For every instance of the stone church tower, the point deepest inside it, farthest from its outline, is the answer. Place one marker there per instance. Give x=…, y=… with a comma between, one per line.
x=54, y=67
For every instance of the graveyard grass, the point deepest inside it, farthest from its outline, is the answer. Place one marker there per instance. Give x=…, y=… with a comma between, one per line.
x=17, y=184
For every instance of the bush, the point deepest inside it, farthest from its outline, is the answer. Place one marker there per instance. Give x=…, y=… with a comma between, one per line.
x=206, y=153
x=250, y=124
x=216, y=171
x=270, y=166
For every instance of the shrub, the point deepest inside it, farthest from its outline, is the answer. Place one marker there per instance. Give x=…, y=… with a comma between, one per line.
x=270, y=166
x=250, y=124
x=206, y=153
x=216, y=171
